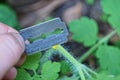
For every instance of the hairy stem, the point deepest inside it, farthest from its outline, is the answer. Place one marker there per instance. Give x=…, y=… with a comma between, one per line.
x=72, y=60
x=106, y=38
x=89, y=70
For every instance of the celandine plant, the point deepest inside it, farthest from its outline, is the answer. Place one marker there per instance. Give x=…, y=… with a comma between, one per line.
x=66, y=67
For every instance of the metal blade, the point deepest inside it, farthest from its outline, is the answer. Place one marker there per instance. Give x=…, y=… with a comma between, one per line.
x=44, y=28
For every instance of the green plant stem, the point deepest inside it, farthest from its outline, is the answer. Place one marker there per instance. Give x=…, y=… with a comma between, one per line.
x=87, y=74
x=72, y=60
x=106, y=38
x=88, y=69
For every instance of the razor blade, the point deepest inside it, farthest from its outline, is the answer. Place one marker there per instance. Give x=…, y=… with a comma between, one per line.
x=44, y=35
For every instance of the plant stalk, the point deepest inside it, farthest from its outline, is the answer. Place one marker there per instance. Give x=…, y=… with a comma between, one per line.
x=72, y=60
x=89, y=70
x=106, y=38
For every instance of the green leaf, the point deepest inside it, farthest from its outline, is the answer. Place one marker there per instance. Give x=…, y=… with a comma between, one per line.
x=32, y=62
x=104, y=18
x=111, y=7
x=90, y=2
x=109, y=58
x=65, y=68
x=50, y=70
x=117, y=43
x=8, y=16
x=114, y=21
x=84, y=30
x=36, y=77
x=103, y=76
x=69, y=78
x=23, y=75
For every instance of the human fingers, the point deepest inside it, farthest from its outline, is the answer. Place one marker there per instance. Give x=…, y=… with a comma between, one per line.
x=11, y=49
x=11, y=74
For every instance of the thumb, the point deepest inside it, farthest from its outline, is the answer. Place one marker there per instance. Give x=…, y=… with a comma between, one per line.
x=11, y=48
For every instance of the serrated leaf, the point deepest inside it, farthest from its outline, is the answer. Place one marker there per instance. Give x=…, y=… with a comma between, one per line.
x=114, y=21
x=84, y=30
x=23, y=75
x=111, y=7
x=8, y=16
x=109, y=58
x=69, y=78
x=50, y=70
x=32, y=62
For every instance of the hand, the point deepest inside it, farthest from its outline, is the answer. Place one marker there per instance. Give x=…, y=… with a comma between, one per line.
x=11, y=49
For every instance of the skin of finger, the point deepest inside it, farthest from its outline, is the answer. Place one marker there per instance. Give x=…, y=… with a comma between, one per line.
x=10, y=52
x=11, y=74
x=3, y=30
x=6, y=29
x=21, y=60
